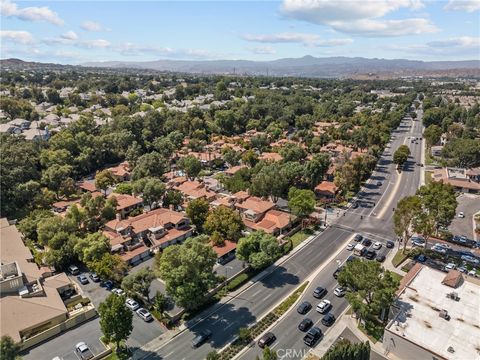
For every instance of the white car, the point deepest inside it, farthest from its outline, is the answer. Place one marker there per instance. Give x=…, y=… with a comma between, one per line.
x=450, y=266
x=439, y=249
x=377, y=245
x=461, y=215
x=472, y=273
x=324, y=306
x=132, y=304
x=350, y=247
x=340, y=291
x=144, y=314
x=119, y=292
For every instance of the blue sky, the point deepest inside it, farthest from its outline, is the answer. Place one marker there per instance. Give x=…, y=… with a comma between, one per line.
x=79, y=31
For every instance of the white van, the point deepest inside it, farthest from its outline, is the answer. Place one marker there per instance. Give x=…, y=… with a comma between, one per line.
x=72, y=269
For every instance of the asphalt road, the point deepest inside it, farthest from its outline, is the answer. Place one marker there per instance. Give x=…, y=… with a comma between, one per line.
x=250, y=305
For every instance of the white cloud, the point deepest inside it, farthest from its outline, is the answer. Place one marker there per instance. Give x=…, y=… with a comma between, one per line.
x=263, y=50
x=464, y=42
x=92, y=26
x=463, y=5
x=311, y=40
x=33, y=13
x=22, y=37
x=462, y=46
x=91, y=44
x=69, y=35
x=359, y=17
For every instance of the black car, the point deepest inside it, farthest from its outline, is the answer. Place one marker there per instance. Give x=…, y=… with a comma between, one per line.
x=304, y=307
x=367, y=242
x=202, y=337
x=312, y=336
x=358, y=238
x=335, y=274
x=328, y=319
x=351, y=258
x=266, y=340
x=380, y=258
x=390, y=244
x=94, y=277
x=354, y=205
x=370, y=255
x=319, y=292
x=305, y=324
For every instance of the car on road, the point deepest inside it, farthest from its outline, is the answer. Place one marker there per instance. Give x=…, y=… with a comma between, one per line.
x=132, y=304
x=350, y=247
x=358, y=238
x=324, y=306
x=336, y=272
x=461, y=215
x=119, y=292
x=266, y=340
x=313, y=335
x=305, y=324
x=144, y=314
x=366, y=242
x=304, y=307
x=82, y=279
x=390, y=244
x=319, y=292
x=94, y=277
x=328, y=319
x=340, y=291
x=380, y=258
x=201, y=338
x=83, y=351
x=377, y=245
x=370, y=255
x=72, y=269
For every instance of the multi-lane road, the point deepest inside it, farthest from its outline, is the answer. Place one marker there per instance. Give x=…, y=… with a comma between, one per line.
x=372, y=217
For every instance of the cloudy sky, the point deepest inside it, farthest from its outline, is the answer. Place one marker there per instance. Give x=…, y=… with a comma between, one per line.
x=78, y=31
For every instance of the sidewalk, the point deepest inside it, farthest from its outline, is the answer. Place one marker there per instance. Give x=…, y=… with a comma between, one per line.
x=388, y=265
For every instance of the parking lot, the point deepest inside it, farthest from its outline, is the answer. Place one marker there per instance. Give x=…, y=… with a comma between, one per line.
x=469, y=204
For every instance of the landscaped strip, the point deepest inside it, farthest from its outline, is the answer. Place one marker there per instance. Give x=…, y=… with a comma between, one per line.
x=236, y=346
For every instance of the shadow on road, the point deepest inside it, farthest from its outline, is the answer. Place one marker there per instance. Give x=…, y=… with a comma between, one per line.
x=279, y=278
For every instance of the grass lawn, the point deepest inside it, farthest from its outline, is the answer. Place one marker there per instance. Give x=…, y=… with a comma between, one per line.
x=300, y=236
x=428, y=177
x=397, y=276
x=399, y=257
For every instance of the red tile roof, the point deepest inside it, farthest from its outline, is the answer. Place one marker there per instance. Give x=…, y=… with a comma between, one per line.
x=225, y=248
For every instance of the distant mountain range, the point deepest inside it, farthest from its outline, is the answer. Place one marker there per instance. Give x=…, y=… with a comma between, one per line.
x=307, y=66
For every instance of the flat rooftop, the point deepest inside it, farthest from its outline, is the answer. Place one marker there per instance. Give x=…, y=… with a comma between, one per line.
x=418, y=319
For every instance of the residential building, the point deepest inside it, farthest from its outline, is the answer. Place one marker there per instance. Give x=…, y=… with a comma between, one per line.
x=225, y=252
x=195, y=190
x=326, y=191
x=134, y=238
x=464, y=180
x=121, y=172
x=126, y=203
x=270, y=156
x=435, y=316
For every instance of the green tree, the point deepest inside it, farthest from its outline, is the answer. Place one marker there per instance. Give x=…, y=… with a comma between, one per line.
x=432, y=135
x=213, y=355
x=316, y=168
x=115, y=319
x=54, y=176
x=197, y=211
x=225, y=222
x=160, y=302
x=187, y=270
x=462, y=152
x=345, y=350
x=231, y=157
x=258, y=249
x=138, y=282
x=109, y=267
x=124, y=188
x=400, y=156
x=92, y=247
x=269, y=354
x=405, y=216
x=191, y=165
x=301, y=202
x=152, y=189
x=371, y=289
x=292, y=152
x=149, y=165
x=172, y=197
x=250, y=158
x=28, y=226
x=8, y=349
x=104, y=179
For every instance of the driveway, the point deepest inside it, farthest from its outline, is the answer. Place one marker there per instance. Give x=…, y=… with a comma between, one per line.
x=469, y=204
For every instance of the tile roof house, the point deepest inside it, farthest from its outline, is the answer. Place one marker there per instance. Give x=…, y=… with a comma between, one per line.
x=194, y=190
x=225, y=252
x=121, y=172
x=465, y=180
x=135, y=237
x=126, y=203
x=326, y=190
x=270, y=156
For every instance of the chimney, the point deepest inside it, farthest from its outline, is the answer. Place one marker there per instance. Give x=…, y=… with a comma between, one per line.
x=171, y=207
x=118, y=216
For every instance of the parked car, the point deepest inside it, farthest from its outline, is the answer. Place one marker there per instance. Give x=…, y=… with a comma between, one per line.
x=119, y=292
x=450, y=266
x=418, y=241
x=354, y=205
x=304, y=307
x=335, y=274
x=319, y=292
x=461, y=215
x=82, y=279
x=82, y=350
x=266, y=340
x=94, y=277
x=390, y=244
x=324, y=306
x=377, y=245
x=201, y=338
x=305, y=324
x=473, y=273
x=132, y=304
x=340, y=291
x=72, y=269
x=328, y=319
x=144, y=314
x=358, y=238
x=350, y=247
x=462, y=269
x=312, y=336
x=439, y=249
x=108, y=284
x=380, y=258
x=379, y=183
x=370, y=255
x=366, y=242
